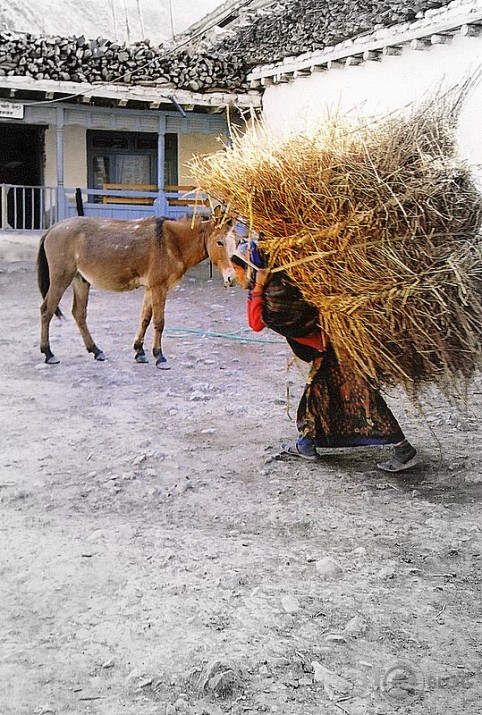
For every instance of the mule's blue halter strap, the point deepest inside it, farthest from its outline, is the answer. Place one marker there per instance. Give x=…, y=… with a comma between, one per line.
x=249, y=254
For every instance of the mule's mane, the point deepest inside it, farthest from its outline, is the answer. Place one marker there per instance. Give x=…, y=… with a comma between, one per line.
x=194, y=219
x=159, y=227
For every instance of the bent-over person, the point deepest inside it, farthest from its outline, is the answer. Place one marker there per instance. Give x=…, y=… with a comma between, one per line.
x=337, y=408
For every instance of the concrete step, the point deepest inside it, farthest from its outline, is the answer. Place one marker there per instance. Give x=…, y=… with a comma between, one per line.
x=18, y=246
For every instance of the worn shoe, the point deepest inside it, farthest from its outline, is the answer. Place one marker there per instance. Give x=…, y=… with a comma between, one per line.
x=293, y=449
x=394, y=464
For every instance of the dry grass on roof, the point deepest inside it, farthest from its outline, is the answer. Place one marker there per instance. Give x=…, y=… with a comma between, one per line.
x=378, y=224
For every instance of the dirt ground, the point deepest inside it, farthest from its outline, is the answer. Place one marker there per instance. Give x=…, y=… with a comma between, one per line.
x=159, y=557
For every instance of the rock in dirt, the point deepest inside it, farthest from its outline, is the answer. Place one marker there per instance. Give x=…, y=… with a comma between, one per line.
x=386, y=573
x=328, y=568
x=333, y=684
x=181, y=707
x=290, y=604
x=221, y=679
x=356, y=626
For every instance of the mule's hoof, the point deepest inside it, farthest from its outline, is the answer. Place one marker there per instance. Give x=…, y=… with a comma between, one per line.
x=141, y=359
x=100, y=356
x=162, y=364
x=52, y=360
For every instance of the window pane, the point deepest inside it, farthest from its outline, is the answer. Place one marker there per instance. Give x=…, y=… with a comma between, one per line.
x=133, y=169
x=146, y=141
x=110, y=140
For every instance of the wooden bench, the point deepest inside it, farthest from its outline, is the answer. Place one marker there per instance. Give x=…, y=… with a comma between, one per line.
x=169, y=188
x=129, y=199
x=184, y=200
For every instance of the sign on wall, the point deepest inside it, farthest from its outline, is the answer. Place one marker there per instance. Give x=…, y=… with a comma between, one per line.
x=11, y=111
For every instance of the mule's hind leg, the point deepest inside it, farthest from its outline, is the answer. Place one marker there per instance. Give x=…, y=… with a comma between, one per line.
x=145, y=319
x=50, y=303
x=81, y=290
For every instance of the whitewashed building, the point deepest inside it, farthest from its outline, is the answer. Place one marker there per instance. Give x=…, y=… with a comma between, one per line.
x=382, y=71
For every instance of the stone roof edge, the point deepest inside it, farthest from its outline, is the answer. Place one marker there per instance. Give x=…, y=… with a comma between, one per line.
x=122, y=93
x=436, y=27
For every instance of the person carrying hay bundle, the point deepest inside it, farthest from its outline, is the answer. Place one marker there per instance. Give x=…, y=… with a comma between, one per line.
x=378, y=223
x=337, y=408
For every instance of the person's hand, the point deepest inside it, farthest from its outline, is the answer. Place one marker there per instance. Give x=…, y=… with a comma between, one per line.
x=261, y=277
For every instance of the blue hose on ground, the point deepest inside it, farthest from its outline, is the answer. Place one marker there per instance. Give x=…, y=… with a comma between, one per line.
x=226, y=336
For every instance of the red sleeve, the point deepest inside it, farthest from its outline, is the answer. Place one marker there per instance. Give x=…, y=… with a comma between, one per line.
x=255, y=308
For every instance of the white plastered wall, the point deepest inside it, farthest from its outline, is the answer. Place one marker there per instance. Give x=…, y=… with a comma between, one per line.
x=75, y=157
x=376, y=88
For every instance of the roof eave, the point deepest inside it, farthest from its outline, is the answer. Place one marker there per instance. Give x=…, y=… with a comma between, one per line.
x=152, y=95
x=419, y=34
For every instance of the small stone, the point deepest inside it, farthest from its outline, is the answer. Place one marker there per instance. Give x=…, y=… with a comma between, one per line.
x=108, y=663
x=280, y=661
x=355, y=626
x=328, y=568
x=290, y=604
x=145, y=683
x=335, y=638
x=333, y=684
x=139, y=459
x=97, y=534
x=386, y=573
x=181, y=706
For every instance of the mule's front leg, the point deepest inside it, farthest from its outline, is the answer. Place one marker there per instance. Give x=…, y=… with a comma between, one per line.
x=145, y=319
x=158, y=306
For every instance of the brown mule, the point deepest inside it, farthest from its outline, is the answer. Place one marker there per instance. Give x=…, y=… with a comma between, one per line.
x=120, y=255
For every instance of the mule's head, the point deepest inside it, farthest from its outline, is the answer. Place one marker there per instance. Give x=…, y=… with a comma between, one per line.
x=221, y=244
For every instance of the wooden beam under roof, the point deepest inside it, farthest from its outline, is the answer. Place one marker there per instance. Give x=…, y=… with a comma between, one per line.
x=126, y=93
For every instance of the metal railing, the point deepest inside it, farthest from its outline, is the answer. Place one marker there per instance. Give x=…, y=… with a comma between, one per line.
x=28, y=208
x=36, y=208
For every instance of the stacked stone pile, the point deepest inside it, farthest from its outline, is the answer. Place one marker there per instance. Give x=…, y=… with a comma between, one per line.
x=293, y=27
x=77, y=59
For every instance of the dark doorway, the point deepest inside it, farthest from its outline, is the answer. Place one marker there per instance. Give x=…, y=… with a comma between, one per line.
x=21, y=162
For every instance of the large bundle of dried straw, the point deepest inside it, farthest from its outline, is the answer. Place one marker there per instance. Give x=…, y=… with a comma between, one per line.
x=377, y=223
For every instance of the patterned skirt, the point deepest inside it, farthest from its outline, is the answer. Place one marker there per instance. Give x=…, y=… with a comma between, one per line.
x=338, y=411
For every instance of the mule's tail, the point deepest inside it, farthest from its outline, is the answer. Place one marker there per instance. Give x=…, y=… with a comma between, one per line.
x=43, y=273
